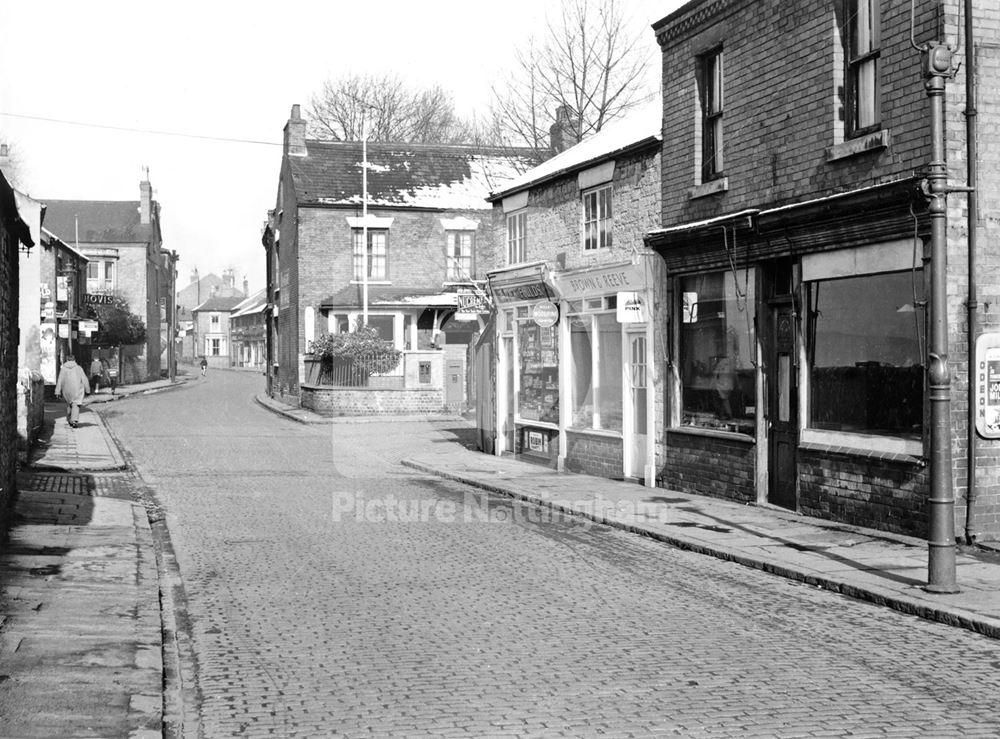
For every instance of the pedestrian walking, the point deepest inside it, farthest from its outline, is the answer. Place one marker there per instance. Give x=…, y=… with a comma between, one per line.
x=204, y=366
x=96, y=370
x=72, y=386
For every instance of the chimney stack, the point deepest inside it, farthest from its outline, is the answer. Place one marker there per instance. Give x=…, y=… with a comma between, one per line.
x=194, y=275
x=246, y=287
x=561, y=134
x=295, y=134
x=145, y=200
x=229, y=279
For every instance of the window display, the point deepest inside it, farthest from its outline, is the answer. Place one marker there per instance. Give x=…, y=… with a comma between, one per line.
x=866, y=354
x=539, y=392
x=717, y=349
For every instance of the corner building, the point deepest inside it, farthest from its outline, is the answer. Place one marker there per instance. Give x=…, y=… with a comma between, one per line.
x=796, y=233
x=576, y=299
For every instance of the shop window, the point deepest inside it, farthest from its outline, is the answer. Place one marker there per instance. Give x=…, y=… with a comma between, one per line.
x=596, y=350
x=865, y=354
x=717, y=351
x=539, y=393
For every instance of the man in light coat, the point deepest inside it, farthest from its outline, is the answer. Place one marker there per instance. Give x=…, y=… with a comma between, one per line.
x=72, y=385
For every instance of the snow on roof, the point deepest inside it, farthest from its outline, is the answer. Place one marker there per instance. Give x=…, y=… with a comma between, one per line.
x=637, y=126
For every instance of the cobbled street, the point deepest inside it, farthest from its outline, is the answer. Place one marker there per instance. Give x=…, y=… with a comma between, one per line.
x=330, y=591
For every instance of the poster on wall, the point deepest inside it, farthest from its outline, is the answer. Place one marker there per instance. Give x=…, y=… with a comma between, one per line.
x=988, y=386
x=48, y=352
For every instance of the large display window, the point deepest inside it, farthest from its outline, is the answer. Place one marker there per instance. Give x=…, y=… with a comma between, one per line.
x=597, y=379
x=717, y=351
x=866, y=347
x=538, y=349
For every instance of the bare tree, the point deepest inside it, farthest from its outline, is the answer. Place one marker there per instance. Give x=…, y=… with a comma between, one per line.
x=590, y=67
x=394, y=111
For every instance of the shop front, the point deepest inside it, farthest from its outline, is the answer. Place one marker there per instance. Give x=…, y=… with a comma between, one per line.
x=574, y=370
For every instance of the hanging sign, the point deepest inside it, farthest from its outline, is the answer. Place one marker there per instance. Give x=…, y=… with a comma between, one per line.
x=631, y=308
x=988, y=386
x=545, y=314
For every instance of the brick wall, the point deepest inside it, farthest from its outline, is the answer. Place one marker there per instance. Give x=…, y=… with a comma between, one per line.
x=328, y=401
x=708, y=465
x=8, y=364
x=872, y=492
x=555, y=220
x=783, y=108
x=594, y=455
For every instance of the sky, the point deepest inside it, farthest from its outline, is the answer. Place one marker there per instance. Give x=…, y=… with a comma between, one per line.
x=92, y=93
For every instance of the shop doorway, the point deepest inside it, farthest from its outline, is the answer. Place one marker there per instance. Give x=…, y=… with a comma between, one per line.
x=637, y=373
x=782, y=407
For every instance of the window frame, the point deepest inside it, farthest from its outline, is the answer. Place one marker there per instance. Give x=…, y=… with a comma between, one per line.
x=857, y=60
x=592, y=200
x=711, y=72
x=106, y=279
x=454, y=265
x=517, y=236
x=356, y=256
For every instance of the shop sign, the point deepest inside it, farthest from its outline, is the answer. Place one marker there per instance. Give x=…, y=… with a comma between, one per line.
x=467, y=301
x=98, y=299
x=545, y=314
x=62, y=289
x=524, y=291
x=595, y=282
x=88, y=328
x=631, y=308
x=988, y=386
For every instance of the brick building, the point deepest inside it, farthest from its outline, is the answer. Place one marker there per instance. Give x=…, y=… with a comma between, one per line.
x=212, y=329
x=15, y=236
x=426, y=221
x=199, y=289
x=248, y=332
x=576, y=296
x=123, y=244
x=797, y=233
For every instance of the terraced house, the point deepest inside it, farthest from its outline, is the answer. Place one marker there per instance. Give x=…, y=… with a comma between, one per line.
x=830, y=273
x=393, y=248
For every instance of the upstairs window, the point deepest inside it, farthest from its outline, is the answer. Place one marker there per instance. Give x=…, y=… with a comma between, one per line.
x=597, y=218
x=100, y=276
x=712, y=103
x=458, y=259
x=863, y=39
x=517, y=237
x=214, y=319
x=377, y=255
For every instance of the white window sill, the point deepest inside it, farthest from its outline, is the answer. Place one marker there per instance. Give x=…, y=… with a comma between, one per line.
x=518, y=421
x=609, y=433
x=852, y=147
x=863, y=443
x=371, y=282
x=712, y=187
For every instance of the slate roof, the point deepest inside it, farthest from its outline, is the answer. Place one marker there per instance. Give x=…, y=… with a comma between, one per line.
x=222, y=305
x=438, y=176
x=254, y=304
x=383, y=295
x=100, y=221
x=639, y=127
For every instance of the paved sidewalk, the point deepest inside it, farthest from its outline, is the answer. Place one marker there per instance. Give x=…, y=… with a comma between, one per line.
x=875, y=566
x=80, y=628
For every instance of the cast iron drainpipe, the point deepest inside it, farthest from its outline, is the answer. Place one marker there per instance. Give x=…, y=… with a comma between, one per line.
x=972, y=303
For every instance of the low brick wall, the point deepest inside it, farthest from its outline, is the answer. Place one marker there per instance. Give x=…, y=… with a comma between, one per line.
x=346, y=401
x=864, y=491
x=710, y=465
x=591, y=454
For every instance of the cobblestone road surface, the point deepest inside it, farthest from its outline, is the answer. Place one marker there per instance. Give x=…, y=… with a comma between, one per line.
x=332, y=592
